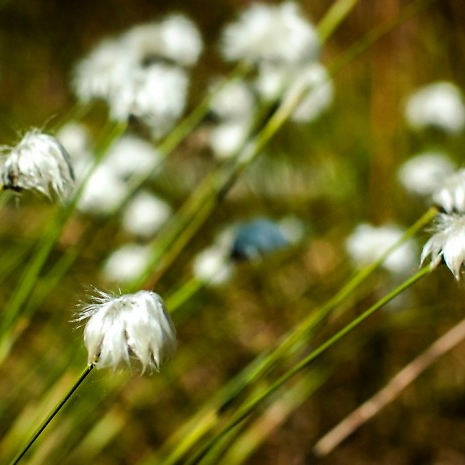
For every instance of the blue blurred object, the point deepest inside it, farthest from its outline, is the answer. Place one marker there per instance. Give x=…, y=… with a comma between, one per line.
x=257, y=238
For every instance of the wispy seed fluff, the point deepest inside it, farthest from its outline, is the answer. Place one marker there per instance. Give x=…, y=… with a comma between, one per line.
x=38, y=163
x=447, y=244
x=424, y=173
x=450, y=196
x=156, y=95
x=277, y=34
x=142, y=73
x=175, y=39
x=130, y=330
x=367, y=243
x=438, y=105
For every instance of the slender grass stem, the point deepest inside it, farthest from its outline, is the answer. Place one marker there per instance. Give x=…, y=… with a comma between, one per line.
x=215, y=186
x=187, y=125
x=244, y=411
x=390, y=391
x=52, y=414
x=44, y=247
x=208, y=417
x=408, y=12
x=334, y=16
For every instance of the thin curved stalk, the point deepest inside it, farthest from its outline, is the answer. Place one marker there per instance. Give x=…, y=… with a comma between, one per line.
x=52, y=414
x=244, y=411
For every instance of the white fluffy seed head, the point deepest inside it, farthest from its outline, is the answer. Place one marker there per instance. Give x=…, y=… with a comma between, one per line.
x=278, y=34
x=104, y=70
x=438, y=105
x=212, y=266
x=156, y=95
x=367, y=243
x=450, y=195
x=145, y=214
x=318, y=90
x=132, y=330
x=423, y=174
x=126, y=263
x=38, y=163
x=235, y=100
x=131, y=156
x=181, y=40
x=103, y=192
x=175, y=39
x=227, y=138
x=447, y=244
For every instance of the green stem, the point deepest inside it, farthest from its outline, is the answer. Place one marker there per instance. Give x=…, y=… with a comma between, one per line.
x=209, y=415
x=217, y=185
x=52, y=414
x=408, y=12
x=44, y=247
x=335, y=15
x=248, y=408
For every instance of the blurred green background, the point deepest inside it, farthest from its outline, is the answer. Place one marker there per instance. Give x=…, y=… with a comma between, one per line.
x=333, y=174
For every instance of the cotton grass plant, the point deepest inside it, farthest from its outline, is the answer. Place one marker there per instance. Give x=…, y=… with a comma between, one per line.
x=108, y=204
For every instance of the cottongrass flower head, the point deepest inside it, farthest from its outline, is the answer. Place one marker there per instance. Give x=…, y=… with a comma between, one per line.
x=212, y=265
x=423, y=174
x=439, y=105
x=367, y=243
x=103, y=193
x=38, y=163
x=235, y=100
x=227, y=138
x=447, y=244
x=314, y=81
x=132, y=156
x=277, y=34
x=126, y=263
x=104, y=70
x=155, y=95
x=132, y=330
x=145, y=214
x=175, y=39
x=77, y=140
x=233, y=106
x=450, y=196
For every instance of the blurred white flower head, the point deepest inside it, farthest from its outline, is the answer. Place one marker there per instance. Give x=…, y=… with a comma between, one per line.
x=424, y=173
x=131, y=155
x=438, y=105
x=181, y=40
x=132, y=330
x=313, y=80
x=450, y=196
x=211, y=265
x=233, y=106
x=145, y=214
x=447, y=244
x=175, y=39
x=277, y=34
x=38, y=163
x=155, y=94
x=76, y=139
x=309, y=81
x=126, y=263
x=367, y=243
x=103, y=192
x=227, y=138
x=107, y=67
x=235, y=100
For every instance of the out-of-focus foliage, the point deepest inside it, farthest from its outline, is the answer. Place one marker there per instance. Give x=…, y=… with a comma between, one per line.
x=331, y=174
